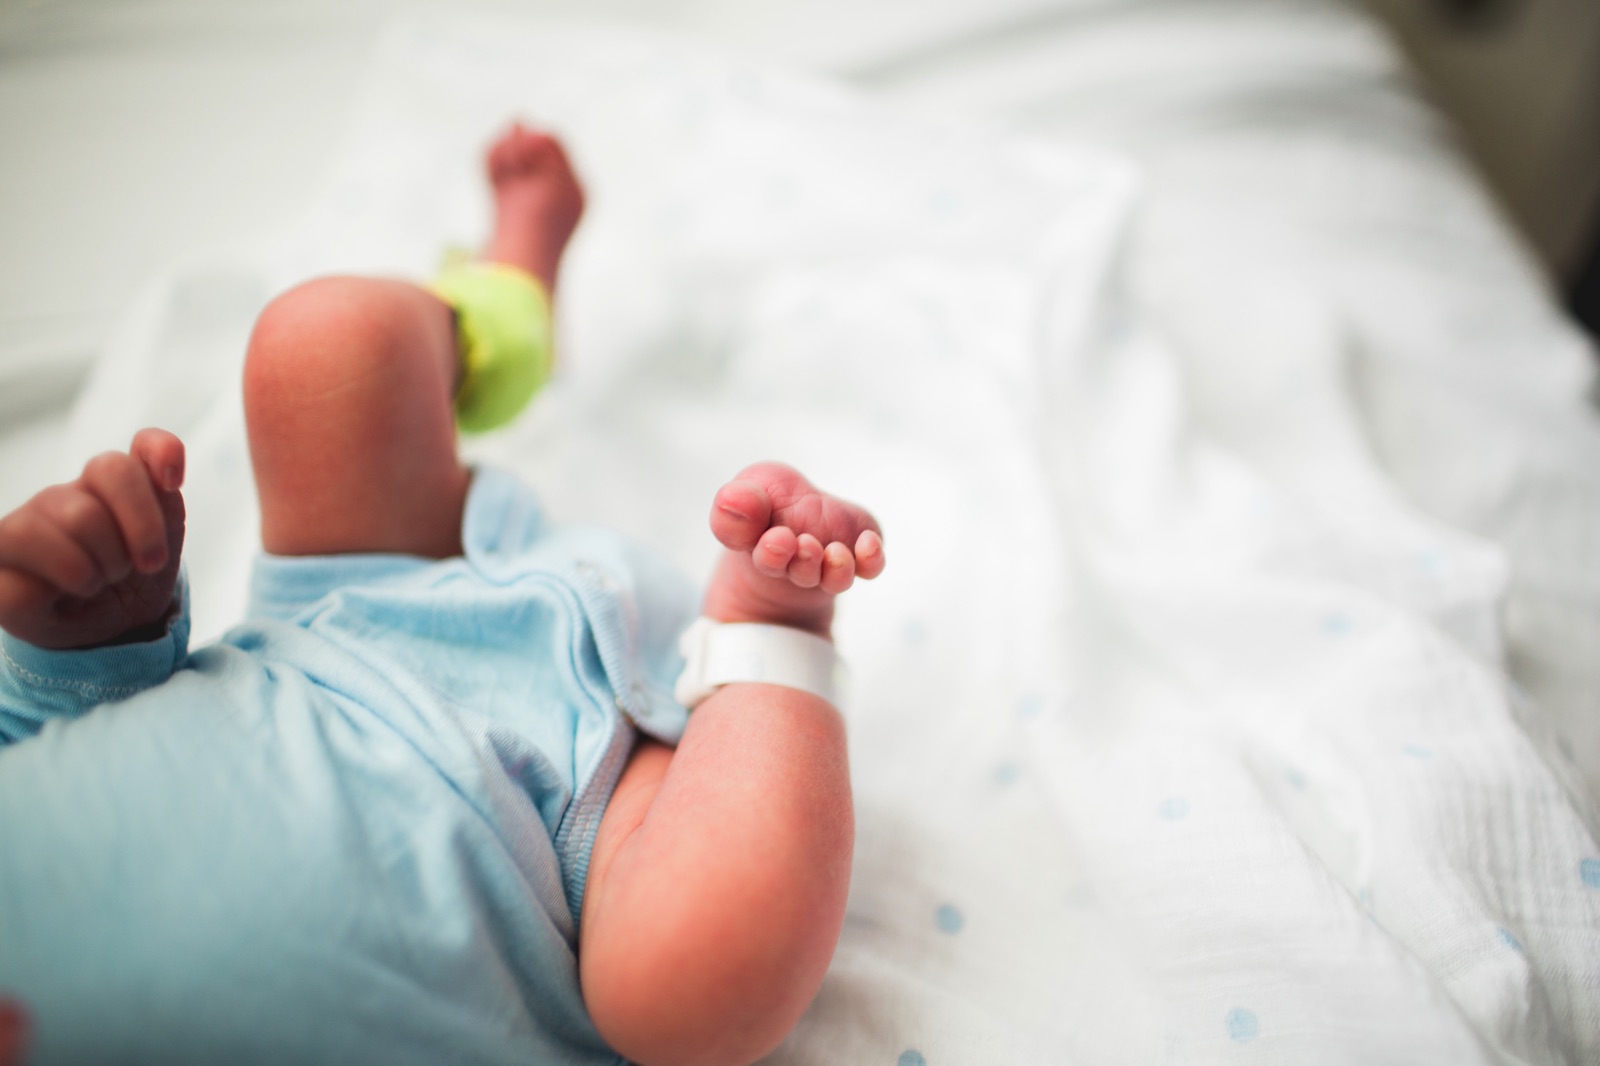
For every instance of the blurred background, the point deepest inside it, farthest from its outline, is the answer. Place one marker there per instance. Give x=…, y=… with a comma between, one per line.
x=149, y=122
x=1521, y=79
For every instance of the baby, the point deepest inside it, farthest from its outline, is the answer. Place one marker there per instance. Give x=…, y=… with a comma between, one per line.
x=435, y=800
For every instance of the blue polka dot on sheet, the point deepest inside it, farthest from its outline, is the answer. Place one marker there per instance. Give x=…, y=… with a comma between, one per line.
x=1296, y=779
x=1007, y=773
x=1430, y=561
x=1174, y=807
x=1418, y=751
x=949, y=918
x=1243, y=1025
x=1335, y=625
x=1589, y=870
x=911, y=1057
x=1028, y=706
x=1509, y=939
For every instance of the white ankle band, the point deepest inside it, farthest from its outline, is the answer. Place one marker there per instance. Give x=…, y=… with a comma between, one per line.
x=717, y=653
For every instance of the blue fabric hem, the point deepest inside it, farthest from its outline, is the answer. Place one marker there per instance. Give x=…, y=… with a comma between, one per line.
x=100, y=675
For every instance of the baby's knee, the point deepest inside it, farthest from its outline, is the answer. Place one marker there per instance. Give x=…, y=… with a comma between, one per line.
x=317, y=334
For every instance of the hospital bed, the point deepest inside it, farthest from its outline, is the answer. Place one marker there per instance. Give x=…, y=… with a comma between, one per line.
x=1233, y=694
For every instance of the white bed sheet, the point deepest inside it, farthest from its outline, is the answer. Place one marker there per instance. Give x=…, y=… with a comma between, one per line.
x=1221, y=511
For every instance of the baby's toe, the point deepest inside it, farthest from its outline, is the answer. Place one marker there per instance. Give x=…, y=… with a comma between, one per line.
x=838, y=568
x=869, y=555
x=774, y=551
x=740, y=514
x=805, y=570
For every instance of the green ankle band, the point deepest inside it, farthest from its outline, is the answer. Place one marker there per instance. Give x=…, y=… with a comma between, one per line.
x=503, y=332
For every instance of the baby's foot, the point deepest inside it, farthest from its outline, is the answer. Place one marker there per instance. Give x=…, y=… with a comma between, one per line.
x=537, y=202
x=791, y=550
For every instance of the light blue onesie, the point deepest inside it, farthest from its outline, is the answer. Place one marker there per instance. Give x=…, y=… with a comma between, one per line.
x=354, y=830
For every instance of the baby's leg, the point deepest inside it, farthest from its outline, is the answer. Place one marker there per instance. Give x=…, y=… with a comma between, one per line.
x=13, y=1033
x=349, y=382
x=347, y=393
x=718, y=880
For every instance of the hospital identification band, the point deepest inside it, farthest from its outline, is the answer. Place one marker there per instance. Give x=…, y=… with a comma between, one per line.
x=718, y=653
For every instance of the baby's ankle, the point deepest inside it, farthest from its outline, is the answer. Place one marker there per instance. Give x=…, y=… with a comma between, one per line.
x=733, y=601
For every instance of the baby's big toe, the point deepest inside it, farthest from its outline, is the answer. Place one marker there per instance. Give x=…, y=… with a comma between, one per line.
x=740, y=513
